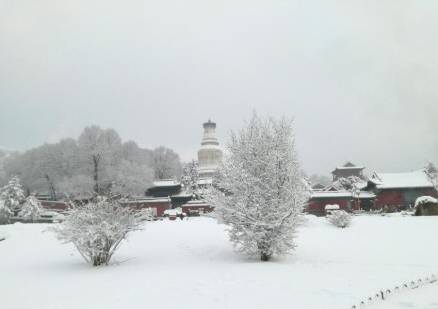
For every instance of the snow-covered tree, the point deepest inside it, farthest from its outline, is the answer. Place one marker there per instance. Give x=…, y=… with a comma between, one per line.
x=100, y=150
x=130, y=179
x=190, y=177
x=339, y=218
x=12, y=194
x=260, y=191
x=97, y=162
x=96, y=229
x=347, y=183
x=5, y=212
x=42, y=168
x=77, y=187
x=31, y=208
x=432, y=172
x=3, y=157
x=166, y=163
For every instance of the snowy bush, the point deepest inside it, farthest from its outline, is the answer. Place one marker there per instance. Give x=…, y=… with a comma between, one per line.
x=5, y=212
x=425, y=200
x=339, y=218
x=259, y=191
x=190, y=178
x=426, y=206
x=11, y=196
x=96, y=229
x=31, y=209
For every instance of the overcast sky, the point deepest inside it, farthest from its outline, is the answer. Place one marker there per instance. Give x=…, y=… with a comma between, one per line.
x=359, y=77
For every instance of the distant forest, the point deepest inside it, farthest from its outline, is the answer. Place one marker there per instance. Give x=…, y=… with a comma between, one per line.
x=97, y=162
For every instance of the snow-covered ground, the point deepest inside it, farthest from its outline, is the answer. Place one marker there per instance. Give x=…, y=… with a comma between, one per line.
x=191, y=264
x=422, y=298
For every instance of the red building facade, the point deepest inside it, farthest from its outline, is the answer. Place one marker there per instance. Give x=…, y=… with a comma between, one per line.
x=196, y=207
x=344, y=199
x=159, y=205
x=397, y=191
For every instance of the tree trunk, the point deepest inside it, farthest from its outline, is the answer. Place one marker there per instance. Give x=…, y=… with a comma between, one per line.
x=51, y=188
x=265, y=257
x=96, y=174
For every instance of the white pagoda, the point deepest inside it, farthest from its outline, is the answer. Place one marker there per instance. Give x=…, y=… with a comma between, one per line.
x=210, y=154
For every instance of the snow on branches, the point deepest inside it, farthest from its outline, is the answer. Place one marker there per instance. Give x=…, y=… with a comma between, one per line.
x=96, y=229
x=432, y=173
x=260, y=191
x=11, y=196
x=339, y=218
x=5, y=212
x=349, y=183
x=190, y=178
x=31, y=209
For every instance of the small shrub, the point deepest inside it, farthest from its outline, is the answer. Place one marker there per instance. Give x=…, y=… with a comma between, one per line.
x=97, y=228
x=31, y=209
x=339, y=218
x=5, y=213
x=426, y=206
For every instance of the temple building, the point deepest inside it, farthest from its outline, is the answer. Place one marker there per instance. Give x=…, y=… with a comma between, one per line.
x=210, y=154
x=347, y=170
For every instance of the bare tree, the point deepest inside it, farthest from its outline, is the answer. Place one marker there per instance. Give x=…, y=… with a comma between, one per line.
x=260, y=190
x=101, y=149
x=432, y=173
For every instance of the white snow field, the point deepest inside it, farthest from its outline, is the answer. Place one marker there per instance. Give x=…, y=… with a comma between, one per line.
x=423, y=298
x=191, y=264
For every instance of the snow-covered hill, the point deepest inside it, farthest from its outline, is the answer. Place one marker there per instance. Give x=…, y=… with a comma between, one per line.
x=190, y=264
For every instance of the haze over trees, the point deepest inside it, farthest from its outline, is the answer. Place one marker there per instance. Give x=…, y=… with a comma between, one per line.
x=261, y=188
x=166, y=163
x=98, y=162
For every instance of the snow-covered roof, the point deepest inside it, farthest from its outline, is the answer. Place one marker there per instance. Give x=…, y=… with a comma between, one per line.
x=166, y=183
x=415, y=179
x=195, y=203
x=341, y=194
x=349, y=166
x=205, y=181
x=173, y=212
x=331, y=194
x=148, y=200
x=366, y=194
x=182, y=194
x=332, y=207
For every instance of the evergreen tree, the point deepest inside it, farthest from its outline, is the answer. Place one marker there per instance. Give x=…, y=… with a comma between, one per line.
x=5, y=212
x=12, y=195
x=190, y=178
x=31, y=208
